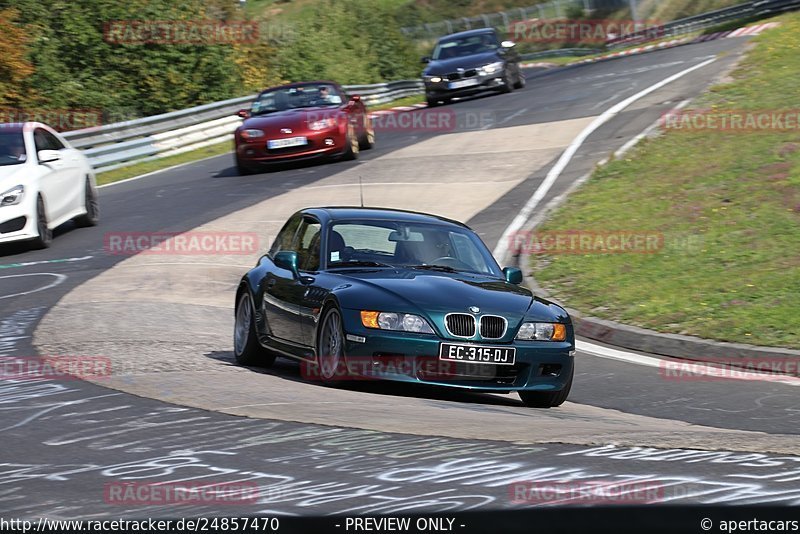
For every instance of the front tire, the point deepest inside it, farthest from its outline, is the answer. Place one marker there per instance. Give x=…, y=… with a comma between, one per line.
x=351, y=152
x=92, y=215
x=45, y=237
x=507, y=87
x=246, y=348
x=367, y=140
x=330, y=347
x=242, y=168
x=520, y=81
x=547, y=399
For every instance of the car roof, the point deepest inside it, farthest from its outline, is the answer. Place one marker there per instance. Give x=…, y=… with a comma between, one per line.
x=468, y=33
x=300, y=84
x=340, y=213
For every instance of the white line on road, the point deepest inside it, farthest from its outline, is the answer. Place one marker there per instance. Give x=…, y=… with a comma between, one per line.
x=691, y=368
x=501, y=250
x=58, y=279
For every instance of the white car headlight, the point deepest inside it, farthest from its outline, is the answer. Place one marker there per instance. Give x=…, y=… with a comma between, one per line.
x=322, y=124
x=491, y=68
x=402, y=322
x=542, y=332
x=252, y=133
x=13, y=196
x=434, y=79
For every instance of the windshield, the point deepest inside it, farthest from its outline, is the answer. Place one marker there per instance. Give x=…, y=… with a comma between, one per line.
x=303, y=96
x=465, y=46
x=411, y=245
x=12, y=148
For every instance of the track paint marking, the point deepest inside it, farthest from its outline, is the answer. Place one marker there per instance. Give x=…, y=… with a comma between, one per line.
x=58, y=279
x=519, y=221
x=42, y=262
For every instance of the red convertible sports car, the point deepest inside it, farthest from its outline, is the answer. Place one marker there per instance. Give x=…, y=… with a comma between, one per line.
x=302, y=121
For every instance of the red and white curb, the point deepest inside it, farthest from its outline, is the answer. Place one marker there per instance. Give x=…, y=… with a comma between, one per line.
x=398, y=109
x=747, y=31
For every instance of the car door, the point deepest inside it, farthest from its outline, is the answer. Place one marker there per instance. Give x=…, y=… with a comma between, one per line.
x=75, y=179
x=283, y=292
x=53, y=179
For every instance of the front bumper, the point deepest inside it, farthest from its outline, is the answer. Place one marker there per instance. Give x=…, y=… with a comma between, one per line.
x=17, y=223
x=414, y=358
x=489, y=82
x=256, y=151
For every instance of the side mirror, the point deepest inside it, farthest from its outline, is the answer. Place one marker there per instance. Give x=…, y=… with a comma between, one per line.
x=513, y=275
x=48, y=156
x=508, y=44
x=243, y=113
x=287, y=260
x=426, y=59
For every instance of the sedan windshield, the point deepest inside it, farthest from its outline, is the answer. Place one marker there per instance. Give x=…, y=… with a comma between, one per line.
x=465, y=46
x=409, y=245
x=12, y=148
x=303, y=96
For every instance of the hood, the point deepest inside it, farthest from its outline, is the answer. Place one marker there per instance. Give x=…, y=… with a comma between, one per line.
x=439, y=293
x=12, y=175
x=296, y=119
x=446, y=66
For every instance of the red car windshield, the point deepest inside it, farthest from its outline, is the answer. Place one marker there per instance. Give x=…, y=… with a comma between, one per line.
x=303, y=96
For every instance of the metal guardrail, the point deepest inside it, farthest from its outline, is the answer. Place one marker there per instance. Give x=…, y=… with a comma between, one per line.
x=121, y=144
x=557, y=52
x=703, y=21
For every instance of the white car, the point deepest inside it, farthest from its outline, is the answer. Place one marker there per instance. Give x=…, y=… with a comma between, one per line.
x=44, y=182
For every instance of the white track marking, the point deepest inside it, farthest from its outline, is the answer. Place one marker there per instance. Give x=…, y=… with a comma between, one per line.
x=519, y=221
x=687, y=366
x=59, y=278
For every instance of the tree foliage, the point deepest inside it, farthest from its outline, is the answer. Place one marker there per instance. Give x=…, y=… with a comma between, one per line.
x=55, y=54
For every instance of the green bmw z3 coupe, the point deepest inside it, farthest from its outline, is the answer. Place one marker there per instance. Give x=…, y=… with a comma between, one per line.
x=365, y=293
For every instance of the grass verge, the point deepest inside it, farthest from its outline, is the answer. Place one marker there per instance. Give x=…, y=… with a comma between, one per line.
x=162, y=163
x=727, y=204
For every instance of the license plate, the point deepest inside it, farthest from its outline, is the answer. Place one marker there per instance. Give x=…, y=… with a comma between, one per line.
x=462, y=83
x=477, y=354
x=288, y=142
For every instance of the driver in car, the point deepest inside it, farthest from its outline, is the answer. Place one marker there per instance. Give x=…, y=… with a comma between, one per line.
x=13, y=147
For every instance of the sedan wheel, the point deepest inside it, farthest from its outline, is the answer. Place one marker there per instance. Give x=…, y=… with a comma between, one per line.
x=367, y=140
x=45, y=237
x=246, y=348
x=330, y=346
x=92, y=215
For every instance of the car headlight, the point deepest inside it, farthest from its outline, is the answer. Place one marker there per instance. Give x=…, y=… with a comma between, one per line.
x=434, y=79
x=402, y=322
x=252, y=134
x=542, y=332
x=13, y=196
x=491, y=68
x=321, y=125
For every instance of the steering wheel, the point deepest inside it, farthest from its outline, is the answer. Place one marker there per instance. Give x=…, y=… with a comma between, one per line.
x=449, y=261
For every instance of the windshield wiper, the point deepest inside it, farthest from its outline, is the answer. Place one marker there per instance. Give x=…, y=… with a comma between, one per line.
x=359, y=264
x=443, y=268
